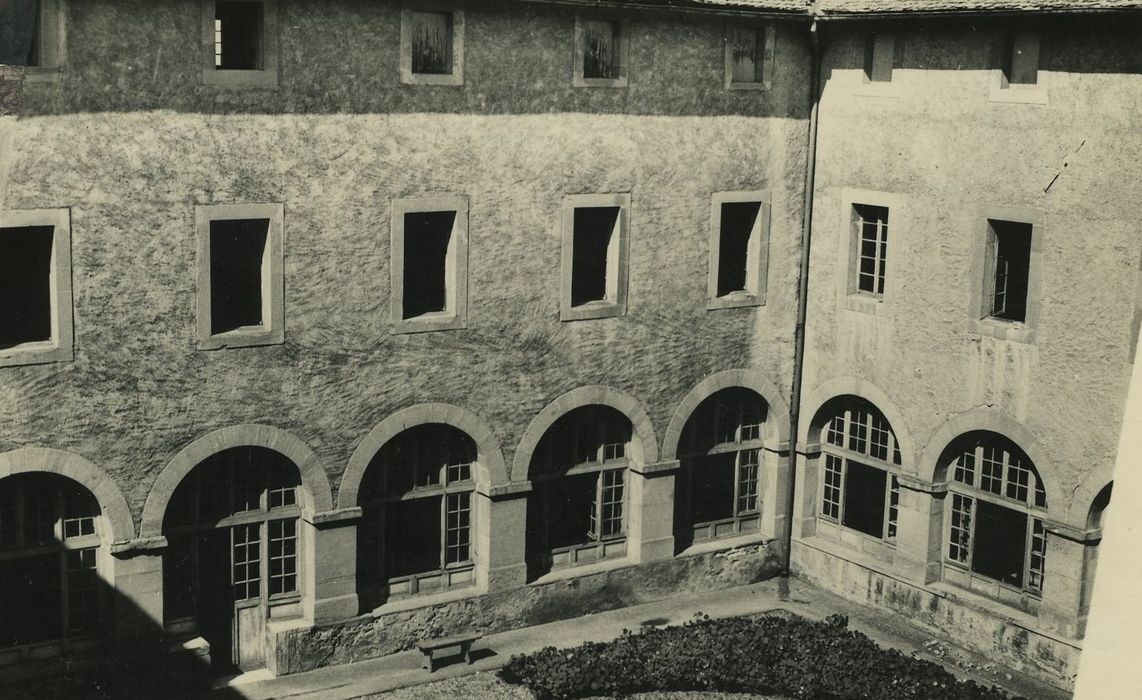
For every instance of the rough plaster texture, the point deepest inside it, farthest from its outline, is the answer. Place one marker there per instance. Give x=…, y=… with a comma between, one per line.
x=1067, y=384
x=369, y=637
x=131, y=144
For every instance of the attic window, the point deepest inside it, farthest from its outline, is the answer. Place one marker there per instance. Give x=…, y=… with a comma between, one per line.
x=238, y=35
x=35, y=52
x=879, y=57
x=432, y=44
x=601, y=50
x=1022, y=59
x=749, y=56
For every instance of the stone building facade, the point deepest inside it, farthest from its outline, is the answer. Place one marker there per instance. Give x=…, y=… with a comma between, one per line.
x=387, y=318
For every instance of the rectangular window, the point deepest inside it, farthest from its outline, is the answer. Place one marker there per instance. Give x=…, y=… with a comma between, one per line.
x=239, y=39
x=571, y=507
x=432, y=44
x=82, y=591
x=1022, y=58
x=893, y=507
x=749, y=56
x=417, y=549
x=247, y=545
x=238, y=35
x=1009, y=258
x=831, y=500
x=35, y=287
x=612, y=502
x=430, y=264
x=240, y=293
x=879, y=56
x=959, y=540
x=46, y=52
x=713, y=488
x=871, y=232
x=1001, y=555
x=283, y=556
x=747, y=481
x=457, y=528
x=739, y=243
x=601, y=47
x=864, y=493
x=35, y=53
x=595, y=244
x=1038, y=556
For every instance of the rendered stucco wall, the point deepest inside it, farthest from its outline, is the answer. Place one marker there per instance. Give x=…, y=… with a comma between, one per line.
x=131, y=142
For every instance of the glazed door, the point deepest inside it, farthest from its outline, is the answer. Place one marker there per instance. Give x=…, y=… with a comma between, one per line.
x=249, y=633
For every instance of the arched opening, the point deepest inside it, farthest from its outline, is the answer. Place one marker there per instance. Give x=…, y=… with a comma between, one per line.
x=416, y=534
x=860, y=460
x=52, y=558
x=232, y=563
x=718, y=491
x=995, y=533
x=577, y=510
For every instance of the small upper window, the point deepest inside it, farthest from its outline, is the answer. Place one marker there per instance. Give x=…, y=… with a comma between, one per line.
x=430, y=263
x=594, y=256
x=749, y=56
x=1021, y=66
x=35, y=287
x=240, y=276
x=879, y=56
x=432, y=45
x=870, y=233
x=242, y=40
x=601, y=50
x=45, y=53
x=739, y=242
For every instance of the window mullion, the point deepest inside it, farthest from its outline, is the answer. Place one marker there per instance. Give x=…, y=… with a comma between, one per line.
x=737, y=482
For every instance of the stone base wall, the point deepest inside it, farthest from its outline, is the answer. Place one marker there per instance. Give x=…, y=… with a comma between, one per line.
x=939, y=611
x=370, y=636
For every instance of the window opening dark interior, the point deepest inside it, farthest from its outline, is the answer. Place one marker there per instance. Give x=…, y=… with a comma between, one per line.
x=878, y=58
x=1021, y=59
x=35, y=57
x=746, y=50
x=237, y=251
x=432, y=42
x=594, y=227
x=237, y=35
x=1000, y=543
x=864, y=498
x=601, y=49
x=427, y=236
x=737, y=226
x=25, y=285
x=1012, y=242
x=872, y=227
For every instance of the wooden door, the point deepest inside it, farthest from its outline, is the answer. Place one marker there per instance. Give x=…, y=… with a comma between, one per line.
x=249, y=631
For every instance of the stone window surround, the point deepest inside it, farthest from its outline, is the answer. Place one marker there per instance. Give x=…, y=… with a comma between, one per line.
x=769, y=32
x=1000, y=91
x=981, y=322
x=849, y=244
x=621, y=249
x=272, y=329
x=577, y=79
x=456, y=266
x=60, y=348
x=407, y=77
x=53, y=43
x=267, y=76
x=757, y=273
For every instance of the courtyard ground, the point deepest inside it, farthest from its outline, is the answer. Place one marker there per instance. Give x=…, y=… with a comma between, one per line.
x=400, y=676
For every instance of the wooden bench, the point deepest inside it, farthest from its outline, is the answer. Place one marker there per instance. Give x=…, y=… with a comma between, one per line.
x=463, y=640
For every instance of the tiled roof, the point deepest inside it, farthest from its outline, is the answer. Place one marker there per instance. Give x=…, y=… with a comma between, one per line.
x=857, y=7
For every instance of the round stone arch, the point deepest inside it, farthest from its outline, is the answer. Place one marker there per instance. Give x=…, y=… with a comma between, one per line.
x=490, y=466
x=317, y=498
x=586, y=396
x=809, y=431
x=81, y=470
x=1083, y=500
x=777, y=414
x=995, y=421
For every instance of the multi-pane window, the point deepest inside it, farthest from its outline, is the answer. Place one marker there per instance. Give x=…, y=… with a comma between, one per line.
x=1009, y=265
x=720, y=452
x=232, y=532
x=577, y=511
x=749, y=58
x=417, y=528
x=860, y=490
x=49, y=554
x=996, y=525
x=870, y=225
